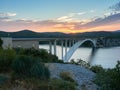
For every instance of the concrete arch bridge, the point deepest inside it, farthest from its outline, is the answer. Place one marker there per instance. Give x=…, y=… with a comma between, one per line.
x=72, y=43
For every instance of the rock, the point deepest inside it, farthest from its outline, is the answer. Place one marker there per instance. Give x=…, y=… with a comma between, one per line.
x=81, y=75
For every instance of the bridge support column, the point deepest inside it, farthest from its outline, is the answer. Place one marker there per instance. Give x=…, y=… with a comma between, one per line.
x=73, y=42
x=55, y=47
x=62, y=49
x=66, y=48
x=50, y=47
x=69, y=43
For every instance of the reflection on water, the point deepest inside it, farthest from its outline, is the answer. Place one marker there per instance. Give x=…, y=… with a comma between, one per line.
x=107, y=57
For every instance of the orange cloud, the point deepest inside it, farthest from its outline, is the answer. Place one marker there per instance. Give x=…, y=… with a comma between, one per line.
x=108, y=23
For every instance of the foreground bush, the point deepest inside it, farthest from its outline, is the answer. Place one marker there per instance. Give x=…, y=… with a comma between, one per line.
x=22, y=64
x=80, y=62
x=36, y=84
x=41, y=53
x=67, y=77
x=1, y=42
x=6, y=58
x=97, y=68
x=27, y=66
x=109, y=79
x=38, y=70
x=59, y=84
x=3, y=80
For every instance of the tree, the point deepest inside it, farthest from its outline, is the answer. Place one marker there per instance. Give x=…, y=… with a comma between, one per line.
x=1, y=42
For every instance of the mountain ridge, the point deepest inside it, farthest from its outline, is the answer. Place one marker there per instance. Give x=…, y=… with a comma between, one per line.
x=31, y=34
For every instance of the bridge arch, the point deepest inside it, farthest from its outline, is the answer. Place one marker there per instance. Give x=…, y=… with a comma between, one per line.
x=75, y=46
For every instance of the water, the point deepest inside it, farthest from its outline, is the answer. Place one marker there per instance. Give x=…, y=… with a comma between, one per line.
x=106, y=57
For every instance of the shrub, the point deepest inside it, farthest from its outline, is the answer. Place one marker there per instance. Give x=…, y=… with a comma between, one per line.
x=60, y=84
x=3, y=80
x=83, y=63
x=109, y=79
x=22, y=64
x=38, y=70
x=1, y=42
x=41, y=53
x=52, y=84
x=80, y=62
x=72, y=61
x=97, y=68
x=27, y=66
x=6, y=58
x=67, y=77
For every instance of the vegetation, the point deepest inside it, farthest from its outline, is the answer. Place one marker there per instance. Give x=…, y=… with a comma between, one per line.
x=26, y=66
x=97, y=68
x=31, y=34
x=80, y=62
x=1, y=42
x=67, y=76
x=42, y=54
x=62, y=84
x=6, y=58
x=108, y=79
x=24, y=69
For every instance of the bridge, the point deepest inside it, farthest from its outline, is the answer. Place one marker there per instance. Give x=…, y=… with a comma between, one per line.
x=73, y=43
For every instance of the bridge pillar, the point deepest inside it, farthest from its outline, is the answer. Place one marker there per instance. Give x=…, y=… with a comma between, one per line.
x=66, y=48
x=62, y=48
x=73, y=42
x=50, y=47
x=55, y=47
x=69, y=43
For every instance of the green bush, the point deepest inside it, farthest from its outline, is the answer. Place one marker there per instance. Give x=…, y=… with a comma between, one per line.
x=66, y=76
x=60, y=84
x=22, y=64
x=97, y=68
x=38, y=70
x=83, y=63
x=3, y=80
x=1, y=42
x=109, y=79
x=27, y=66
x=41, y=53
x=80, y=62
x=51, y=84
x=6, y=58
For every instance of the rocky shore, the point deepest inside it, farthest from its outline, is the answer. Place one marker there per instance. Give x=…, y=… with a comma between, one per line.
x=81, y=75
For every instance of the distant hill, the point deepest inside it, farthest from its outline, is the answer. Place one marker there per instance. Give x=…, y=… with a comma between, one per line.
x=117, y=31
x=32, y=34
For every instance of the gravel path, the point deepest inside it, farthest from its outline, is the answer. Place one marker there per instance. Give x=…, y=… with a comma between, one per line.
x=80, y=74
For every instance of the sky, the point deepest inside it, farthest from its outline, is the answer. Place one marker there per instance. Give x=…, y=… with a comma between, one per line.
x=67, y=16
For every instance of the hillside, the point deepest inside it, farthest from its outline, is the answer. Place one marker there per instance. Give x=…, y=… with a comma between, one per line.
x=80, y=74
x=31, y=34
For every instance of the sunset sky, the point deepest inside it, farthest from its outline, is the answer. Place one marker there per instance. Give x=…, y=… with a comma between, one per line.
x=68, y=16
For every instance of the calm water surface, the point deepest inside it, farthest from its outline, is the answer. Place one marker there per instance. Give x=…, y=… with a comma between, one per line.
x=107, y=57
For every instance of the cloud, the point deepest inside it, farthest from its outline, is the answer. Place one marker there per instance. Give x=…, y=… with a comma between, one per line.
x=7, y=14
x=115, y=7
x=107, y=14
x=67, y=18
x=2, y=19
x=111, y=19
x=92, y=11
x=63, y=24
x=70, y=17
x=81, y=13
